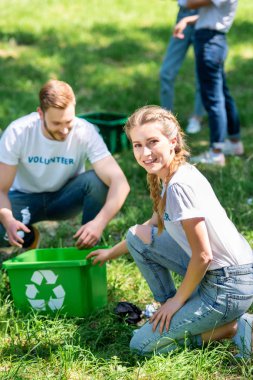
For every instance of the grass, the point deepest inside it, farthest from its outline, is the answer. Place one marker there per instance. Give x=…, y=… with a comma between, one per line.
x=111, y=52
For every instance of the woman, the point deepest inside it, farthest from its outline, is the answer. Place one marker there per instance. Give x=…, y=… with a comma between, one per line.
x=190, y=234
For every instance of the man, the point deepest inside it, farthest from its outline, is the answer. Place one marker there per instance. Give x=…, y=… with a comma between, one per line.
x=173, y=60
x=214, y=19
x=42, y=173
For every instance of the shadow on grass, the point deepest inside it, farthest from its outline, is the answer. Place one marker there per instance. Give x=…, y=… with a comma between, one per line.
x=107, y=76
x=106, y=336
x=100, y=335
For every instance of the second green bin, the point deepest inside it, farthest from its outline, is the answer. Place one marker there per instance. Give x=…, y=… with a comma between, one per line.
x=111, y=128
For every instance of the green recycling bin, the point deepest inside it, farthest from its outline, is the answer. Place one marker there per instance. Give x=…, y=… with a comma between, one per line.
x=57, y=280
x=110, y=126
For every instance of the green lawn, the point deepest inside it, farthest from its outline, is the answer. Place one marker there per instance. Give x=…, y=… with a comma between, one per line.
x=110, y=52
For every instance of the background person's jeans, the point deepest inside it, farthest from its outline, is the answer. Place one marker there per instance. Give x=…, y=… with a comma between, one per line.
x=210, y=52
x=222, y=296
x=174, y=57
x=84, y=193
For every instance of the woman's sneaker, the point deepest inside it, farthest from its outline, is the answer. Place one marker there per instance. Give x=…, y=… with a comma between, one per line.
x=233, y=148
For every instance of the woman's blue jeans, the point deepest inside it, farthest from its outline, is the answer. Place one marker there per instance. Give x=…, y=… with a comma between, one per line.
x=210, y=53
x=84, y=193
x=173, y=60
x=222, y=296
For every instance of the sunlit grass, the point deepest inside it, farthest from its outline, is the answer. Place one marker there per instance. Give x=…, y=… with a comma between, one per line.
x=111, y=53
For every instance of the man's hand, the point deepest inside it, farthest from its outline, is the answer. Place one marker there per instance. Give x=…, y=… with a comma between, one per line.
x=88, y=235
x=164, y=314
x=12, y=228
x=100, y=256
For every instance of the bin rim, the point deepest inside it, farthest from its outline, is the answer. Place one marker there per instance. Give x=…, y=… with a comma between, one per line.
x=13, y=263
x=110, y=123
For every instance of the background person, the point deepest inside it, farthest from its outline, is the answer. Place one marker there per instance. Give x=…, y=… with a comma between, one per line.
x=214, y=19
x=190, y=234
x=43, y=177
x=173, y=60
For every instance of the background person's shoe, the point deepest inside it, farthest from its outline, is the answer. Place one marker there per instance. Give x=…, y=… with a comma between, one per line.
x=243, y=336
x=209, y=158
x=193, y=126
x=233, y=148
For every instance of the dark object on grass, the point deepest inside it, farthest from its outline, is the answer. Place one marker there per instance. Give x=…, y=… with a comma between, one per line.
x=29, y=237
x=128, y=312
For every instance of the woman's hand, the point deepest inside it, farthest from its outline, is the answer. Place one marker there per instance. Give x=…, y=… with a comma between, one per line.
x=179, y=28
x=182, y=24
x=100, y=256
x=164, y=314
x=103, y=255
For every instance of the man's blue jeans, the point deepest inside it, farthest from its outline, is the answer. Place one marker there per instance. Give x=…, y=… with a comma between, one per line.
x=172, y=62
x=84, y=193
x=210, y=52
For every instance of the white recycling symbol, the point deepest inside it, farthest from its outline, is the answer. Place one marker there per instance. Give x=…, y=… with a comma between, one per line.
x=54, y=303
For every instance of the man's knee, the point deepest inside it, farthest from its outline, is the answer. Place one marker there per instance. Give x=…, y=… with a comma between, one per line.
x=92, y=185
x=90, y=177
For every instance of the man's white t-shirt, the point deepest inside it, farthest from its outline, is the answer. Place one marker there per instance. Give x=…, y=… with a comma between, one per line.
x=45, y=165
x=190, y=195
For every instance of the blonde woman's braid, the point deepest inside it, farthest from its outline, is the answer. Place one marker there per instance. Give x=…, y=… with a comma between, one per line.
x=154, y=183
x=155, y=190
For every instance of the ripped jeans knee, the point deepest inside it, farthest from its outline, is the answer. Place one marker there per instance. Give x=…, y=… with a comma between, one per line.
x=140, y=234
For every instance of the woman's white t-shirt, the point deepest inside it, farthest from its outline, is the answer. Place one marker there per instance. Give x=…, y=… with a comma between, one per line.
x=190, y=195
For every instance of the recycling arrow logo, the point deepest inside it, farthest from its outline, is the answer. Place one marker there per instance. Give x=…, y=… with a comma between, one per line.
x=55, y=301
